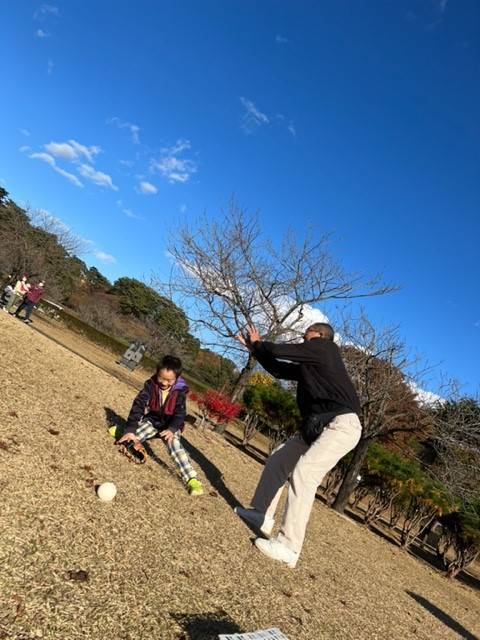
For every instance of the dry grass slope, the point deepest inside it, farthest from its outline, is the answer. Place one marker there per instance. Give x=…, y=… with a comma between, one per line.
x=160, y=564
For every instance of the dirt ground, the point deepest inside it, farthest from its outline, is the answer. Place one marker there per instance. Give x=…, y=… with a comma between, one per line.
x=156, y=563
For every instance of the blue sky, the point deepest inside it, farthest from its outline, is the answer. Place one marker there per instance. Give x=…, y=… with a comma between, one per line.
x=123, y=119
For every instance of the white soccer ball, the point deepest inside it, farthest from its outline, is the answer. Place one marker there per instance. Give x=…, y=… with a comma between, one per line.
x=107, y=491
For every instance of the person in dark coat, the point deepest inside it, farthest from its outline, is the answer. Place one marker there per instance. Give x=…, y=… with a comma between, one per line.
x=329, y=429
x=30, y=301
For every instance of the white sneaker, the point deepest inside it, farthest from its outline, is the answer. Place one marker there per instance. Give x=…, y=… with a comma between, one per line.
x=256, y=518
x=277, y=551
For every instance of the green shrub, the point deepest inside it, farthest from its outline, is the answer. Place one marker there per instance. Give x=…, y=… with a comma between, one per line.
x=399, y=486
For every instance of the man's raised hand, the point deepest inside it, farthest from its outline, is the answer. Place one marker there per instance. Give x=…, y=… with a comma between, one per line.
x=250, y=338
x=253, y=334
x=243, y=341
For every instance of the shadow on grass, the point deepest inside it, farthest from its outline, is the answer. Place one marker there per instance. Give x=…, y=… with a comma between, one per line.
x=447, y=620
x=248, y=450
x=205, y=626
x=212, y=473
x=113, y=418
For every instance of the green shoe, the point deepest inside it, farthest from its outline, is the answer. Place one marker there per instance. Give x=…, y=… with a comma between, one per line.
x=115, y=431
x=194, y=487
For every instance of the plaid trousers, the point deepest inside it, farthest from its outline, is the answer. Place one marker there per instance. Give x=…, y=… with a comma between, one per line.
x=146, y=430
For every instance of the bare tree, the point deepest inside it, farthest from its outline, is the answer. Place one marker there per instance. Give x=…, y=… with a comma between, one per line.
x=381, y=369
x=227, y=276
x=456, y=443
x=73, y=244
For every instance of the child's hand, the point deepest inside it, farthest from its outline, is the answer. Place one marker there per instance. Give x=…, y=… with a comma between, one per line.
x=167, y=435
x=128, y=437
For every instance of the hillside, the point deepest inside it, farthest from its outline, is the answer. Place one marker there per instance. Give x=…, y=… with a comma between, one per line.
x=159, y=564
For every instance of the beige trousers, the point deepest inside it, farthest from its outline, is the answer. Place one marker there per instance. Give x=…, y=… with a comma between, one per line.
x=306, y=467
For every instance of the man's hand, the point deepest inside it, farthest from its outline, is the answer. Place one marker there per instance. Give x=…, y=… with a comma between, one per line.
x=128, y=437
x=243, y=341
x=167, y=435
x=252, y=336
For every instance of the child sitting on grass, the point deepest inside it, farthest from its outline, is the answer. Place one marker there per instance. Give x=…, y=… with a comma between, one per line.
x=160, y=410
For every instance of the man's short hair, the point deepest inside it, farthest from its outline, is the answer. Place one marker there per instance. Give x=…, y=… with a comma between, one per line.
x=325, y=329
x=171, y=363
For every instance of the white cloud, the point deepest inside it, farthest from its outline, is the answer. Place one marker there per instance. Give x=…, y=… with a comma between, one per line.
x=127, y=163
x=128, y=212
x=45, y=157
x=50, y=160
x=104, y=257
x=98, y=177
x=40, y=33
x=180, y=146
x=301, y=319
x=72, y=150
x=147, y=188
x=46, y=10
x=183, y=208
x=133, y=128
x=171, y=167
x=88, y=152
x=253, y=118
x=174, y=169
x=50, y=67
x=425, y=397
x=279, y=39
x=61, y=150
x=25, y=132
x=69, y=176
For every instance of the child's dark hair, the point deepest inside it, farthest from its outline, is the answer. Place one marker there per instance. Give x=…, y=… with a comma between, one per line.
x=172, y=363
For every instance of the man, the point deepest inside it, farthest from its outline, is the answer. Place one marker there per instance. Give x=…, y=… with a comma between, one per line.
x=32, y=298
x=329, y=429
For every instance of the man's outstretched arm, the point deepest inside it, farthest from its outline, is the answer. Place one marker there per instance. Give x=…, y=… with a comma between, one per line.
x=278, y=369
x=293, y=352
x=282, y=370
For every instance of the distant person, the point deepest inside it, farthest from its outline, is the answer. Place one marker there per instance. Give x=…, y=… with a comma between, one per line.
x=20, y=289
x=6, y=280
x=329, y=429
x=159, y=410
x=7, y=293
x=31, y=300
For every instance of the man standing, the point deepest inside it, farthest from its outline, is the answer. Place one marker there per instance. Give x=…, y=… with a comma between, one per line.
x=329, y=429
x=32, y=298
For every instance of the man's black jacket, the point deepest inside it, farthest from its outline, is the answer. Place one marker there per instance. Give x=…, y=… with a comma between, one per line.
x=324, y=386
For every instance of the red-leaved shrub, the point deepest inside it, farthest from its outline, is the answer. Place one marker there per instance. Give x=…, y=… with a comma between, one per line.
x=219, y=406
